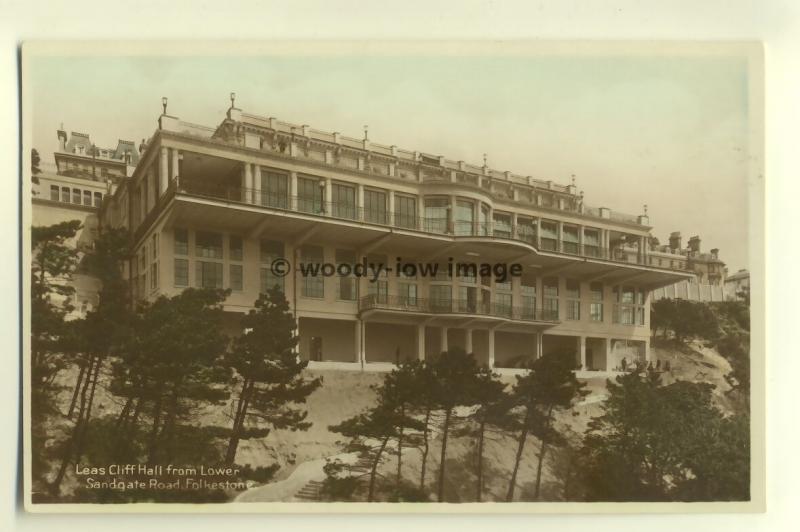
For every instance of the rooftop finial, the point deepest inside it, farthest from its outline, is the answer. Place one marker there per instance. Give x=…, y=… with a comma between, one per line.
x=233, y=100
x=484, y=160
x=366, y=132
x=573, y=180
x=164, y=104
x=645, y=209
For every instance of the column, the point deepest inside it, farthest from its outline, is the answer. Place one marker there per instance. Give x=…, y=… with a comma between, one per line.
x=357, y=341
x=513, y=225
x=491, y=347
x=421, y=213
x=468, y=340
x=539, y=342
x=176, y=157
x=247, y=185
x=559, y=247
x=163, y=172
x=293, y=190
x=538, y=233
x=582, y=351
x=360, y=201
x=580, y=239
x=328, y=209
x=420, y=342
x=443, y=340
x=391, y=208
x=607, y=349
x=257, y=185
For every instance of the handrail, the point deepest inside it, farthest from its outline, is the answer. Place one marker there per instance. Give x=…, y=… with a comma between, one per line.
x=455, y=306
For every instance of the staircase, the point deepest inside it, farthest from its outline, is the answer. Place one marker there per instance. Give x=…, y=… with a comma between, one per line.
x=311, y=492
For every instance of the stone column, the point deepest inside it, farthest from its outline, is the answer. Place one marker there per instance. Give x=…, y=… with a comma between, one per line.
x=580, y=240
x=420, y=342
x=607, y=348
x=257, y=185
x=491, y=347
x=360, y=201
x=176, y=157
x=247, y=183
x=328, y=199
x=358, y=347
x=539, y=343
x=443, y=340
x=582, y=351
x=468, y=340
x=560, y=235
x=390, y=214
x=163, y=172
x=293, y=191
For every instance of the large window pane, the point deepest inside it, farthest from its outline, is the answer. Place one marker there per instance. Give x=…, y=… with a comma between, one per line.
x=344, y=201
x=375, y=206
x=208, y=245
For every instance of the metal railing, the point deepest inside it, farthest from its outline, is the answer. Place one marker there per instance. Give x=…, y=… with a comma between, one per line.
x=443, y=226
x=454, y=306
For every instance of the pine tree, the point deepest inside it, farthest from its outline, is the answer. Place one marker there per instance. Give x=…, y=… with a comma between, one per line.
x=493, y=403
x=549, y=385
x=273, y=389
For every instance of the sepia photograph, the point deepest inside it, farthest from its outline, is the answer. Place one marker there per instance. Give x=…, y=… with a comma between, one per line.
x=484, y=277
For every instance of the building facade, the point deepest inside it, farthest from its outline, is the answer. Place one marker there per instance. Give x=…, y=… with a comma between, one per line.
x=708, y=270
x=220, y=207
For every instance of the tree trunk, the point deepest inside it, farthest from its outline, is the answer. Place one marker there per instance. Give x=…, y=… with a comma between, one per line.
x=75, y=394
x=374, y=471
x=425, y=449
x=153, y=447
x=238, y=423
x=542, y=450
x=443, y=456
x=520, y=447
x=479, y=482
x=400, y=446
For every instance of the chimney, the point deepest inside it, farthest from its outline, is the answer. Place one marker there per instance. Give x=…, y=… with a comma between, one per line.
x=675, y=241
x=694, y=244
x=715, y=253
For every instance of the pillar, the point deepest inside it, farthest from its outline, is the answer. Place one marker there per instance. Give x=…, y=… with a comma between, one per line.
x=293, y=190
x=328, y=199
x=391, y=208
x=360, y=201
x=607, y=348
x=358, y=342
x=247, y=184
x=257, y=200
x=443, y=340
x=559, y=246
x=582, y=351
x=163, y=172
x=539, y=342
x=420, y=342
x=468, y=340
x=176, y=157
x=580, y=240
x=538, y=234
x=513, y=225
x=491, y=348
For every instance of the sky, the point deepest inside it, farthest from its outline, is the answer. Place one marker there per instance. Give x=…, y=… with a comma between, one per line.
x=668, y=131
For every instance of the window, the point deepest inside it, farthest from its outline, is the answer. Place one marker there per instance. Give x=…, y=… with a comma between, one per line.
x=569, y=239
x=596, y=304
x=208, y=274
x=549, y=239
x=309, y=195
x=313, y=285
x=208, y=245
x=526, y=230
x=550, y=297
x=98, y=199
x=573, y=294
x=181, y=237
x=344, y=201
x=235, y=248
x=379, y=290
x=270, y=250
x=436, y=212
x=528, y=296
x=591, y=243
x=181, y=272
x=274, y=189
x=441, y=296
x=154, y=276
x=236, y=277
x=502, y=225
x=503, y=304
x=408, y=294
x=375, y=206
x=87, y=198
x=65, y=194
x=465, y=217
x=348, y=283
x=76, y=196
x=405, y=212
x=54, y=192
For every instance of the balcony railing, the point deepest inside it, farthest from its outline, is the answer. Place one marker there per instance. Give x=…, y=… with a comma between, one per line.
x=412, y=221
x=455, y=306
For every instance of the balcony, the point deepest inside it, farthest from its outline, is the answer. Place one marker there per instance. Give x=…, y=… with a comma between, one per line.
x=413, y=222
x=454, y=306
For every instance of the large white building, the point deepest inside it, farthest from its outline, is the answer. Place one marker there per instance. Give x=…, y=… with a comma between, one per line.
x=219, y=206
